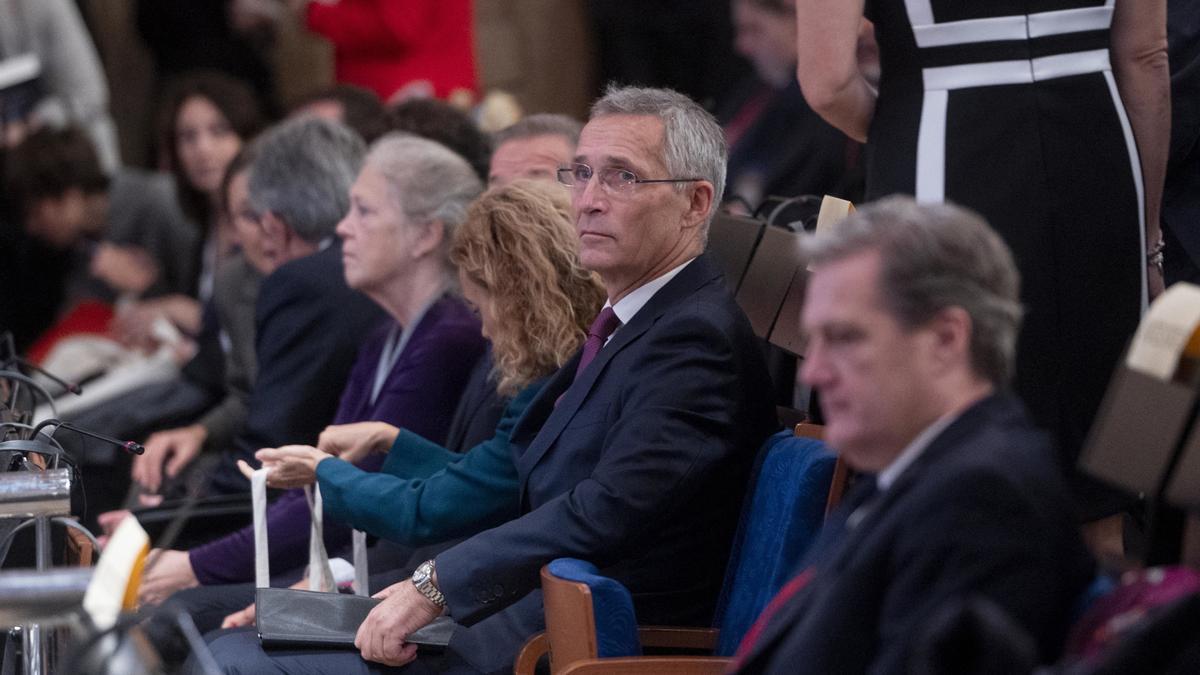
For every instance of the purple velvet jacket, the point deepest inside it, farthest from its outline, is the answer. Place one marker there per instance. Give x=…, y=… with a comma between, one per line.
x=420, y=395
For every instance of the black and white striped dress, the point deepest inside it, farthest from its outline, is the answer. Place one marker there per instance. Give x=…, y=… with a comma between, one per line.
x=1010, y=108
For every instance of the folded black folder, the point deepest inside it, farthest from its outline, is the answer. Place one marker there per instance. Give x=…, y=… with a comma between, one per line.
x=294, y=618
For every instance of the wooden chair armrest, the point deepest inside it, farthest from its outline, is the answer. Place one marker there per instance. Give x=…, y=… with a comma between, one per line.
x=79, y=549
x=648, y=665
x=678, y=637
x=530, y=654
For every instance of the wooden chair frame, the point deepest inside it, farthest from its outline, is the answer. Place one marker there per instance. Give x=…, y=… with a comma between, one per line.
x=570, y=636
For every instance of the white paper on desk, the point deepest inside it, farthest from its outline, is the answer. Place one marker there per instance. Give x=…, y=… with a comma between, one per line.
x=118, y=574
x=1165, y=331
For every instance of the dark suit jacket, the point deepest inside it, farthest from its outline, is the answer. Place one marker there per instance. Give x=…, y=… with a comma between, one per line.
x=983, y=511
x=308, y=327
x=640, y=467
x=479, y=410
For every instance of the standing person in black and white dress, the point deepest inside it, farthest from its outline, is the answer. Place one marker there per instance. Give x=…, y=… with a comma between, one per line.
x=1049, y=117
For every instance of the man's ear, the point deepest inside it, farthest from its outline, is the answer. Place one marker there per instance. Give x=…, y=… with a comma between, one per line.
x=701, y=203
x=950, y=333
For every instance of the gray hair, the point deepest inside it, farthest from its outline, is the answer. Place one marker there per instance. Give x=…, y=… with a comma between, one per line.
x=426, y=180
x=936, y=256
x=693, y=142
x=541, y=124
x=302, y=173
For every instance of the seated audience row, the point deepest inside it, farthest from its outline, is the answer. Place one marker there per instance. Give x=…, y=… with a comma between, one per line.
x=617, y=413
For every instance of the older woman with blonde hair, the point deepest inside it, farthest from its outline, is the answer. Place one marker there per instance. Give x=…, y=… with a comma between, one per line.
x=518, y=266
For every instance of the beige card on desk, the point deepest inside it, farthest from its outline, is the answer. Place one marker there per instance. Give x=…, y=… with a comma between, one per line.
x=833, y=210
x=1165, y=332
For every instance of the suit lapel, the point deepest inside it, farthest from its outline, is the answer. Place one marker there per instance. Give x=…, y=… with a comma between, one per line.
x=570, y=393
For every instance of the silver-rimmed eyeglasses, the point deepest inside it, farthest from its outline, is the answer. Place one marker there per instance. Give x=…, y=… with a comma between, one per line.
x=614, y=179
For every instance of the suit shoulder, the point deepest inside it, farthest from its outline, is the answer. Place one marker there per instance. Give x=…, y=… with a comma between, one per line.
x=313, y=276
x=712, y=308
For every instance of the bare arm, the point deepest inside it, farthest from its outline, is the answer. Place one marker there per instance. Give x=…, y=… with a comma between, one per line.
x=827, y=64
x=1139, y=59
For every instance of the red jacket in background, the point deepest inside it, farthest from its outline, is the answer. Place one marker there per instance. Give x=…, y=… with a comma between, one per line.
x=384, y=45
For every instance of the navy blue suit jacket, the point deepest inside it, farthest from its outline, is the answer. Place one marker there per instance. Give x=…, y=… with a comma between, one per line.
x=984, y=510
x=639, y=466
x=308, y=327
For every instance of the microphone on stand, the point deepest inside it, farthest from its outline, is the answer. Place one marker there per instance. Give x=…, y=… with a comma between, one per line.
x=127, y=446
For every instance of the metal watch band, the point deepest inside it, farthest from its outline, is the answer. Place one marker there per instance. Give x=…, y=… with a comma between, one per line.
x=426, y=587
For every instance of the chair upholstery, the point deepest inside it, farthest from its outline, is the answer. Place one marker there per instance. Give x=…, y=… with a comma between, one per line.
x=781, y=517
x=612, y=607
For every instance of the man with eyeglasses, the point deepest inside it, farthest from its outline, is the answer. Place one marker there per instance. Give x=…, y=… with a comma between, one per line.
x=635, y=455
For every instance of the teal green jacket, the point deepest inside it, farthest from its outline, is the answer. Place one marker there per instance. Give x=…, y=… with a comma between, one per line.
x=426, y=494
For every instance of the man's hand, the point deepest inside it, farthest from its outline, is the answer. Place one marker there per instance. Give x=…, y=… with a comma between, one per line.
x=291, y=466
x=129, y=269
x=353, y=442
x=166, y=572
x=135, y=324
x=381, y=637
x=173, y=449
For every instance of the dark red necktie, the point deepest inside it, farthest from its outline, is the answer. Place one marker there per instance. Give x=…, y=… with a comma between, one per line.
x=604, y=325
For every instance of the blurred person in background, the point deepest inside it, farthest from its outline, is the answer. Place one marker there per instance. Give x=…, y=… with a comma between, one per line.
x=399, y=50
x=447, y=124
x=779, y=147
x=93, y=236
x=205, y=119
x=534, y=148
x=356, y=107
x=69, y=86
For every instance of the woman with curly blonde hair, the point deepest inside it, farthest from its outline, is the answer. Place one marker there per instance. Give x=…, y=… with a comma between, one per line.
x=519, y=267
x=517, y=262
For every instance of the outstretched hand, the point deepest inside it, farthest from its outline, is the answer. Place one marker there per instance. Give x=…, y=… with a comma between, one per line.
x=353, y=442
x=291, y=466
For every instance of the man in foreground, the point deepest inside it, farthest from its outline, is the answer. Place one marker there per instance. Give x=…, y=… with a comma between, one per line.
x=912, y=316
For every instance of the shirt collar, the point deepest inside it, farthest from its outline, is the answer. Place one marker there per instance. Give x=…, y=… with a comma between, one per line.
x=913, y=450
x=632, y=303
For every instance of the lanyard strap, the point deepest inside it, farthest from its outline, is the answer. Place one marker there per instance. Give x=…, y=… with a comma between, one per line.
x=393, y=347
x=320, y=574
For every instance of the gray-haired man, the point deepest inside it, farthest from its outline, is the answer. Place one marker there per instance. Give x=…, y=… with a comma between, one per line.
x=308, y=323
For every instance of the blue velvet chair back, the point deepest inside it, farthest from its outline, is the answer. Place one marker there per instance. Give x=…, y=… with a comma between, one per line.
x=612, y=607
x=784, y=510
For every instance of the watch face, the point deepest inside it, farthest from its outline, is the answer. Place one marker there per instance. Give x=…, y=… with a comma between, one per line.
x=421, y=574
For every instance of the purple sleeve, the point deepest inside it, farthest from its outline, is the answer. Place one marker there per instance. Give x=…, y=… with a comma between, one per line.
x=230, y=559
x=420, y=394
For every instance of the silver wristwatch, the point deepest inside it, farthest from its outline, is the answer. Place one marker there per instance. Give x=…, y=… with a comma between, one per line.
x=422, y=578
